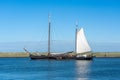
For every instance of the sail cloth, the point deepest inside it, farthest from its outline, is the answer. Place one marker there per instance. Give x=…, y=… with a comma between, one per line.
x=82, y=45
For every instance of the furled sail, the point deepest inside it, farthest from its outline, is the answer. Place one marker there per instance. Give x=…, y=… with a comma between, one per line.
x=82, y=45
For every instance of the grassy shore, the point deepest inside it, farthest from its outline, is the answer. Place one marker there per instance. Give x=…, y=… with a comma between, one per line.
x=23, y=54
x=13, y=54
x=106, y=54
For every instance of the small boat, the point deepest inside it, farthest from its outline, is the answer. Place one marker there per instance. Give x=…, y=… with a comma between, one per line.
x=81, y=48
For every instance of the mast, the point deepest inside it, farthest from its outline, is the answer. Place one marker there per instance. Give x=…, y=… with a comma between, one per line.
x=49, y=31
x=76, y=36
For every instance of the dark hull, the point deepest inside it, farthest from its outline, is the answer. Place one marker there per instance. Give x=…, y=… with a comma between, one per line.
x=60, y=58
x=84, y=58
x=50, y=57
x=42, y=57
x=38, y=57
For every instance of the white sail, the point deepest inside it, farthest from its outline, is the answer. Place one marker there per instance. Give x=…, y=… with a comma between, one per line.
x=82, y=45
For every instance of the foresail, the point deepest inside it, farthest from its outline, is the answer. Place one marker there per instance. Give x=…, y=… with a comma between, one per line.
x=82, y=45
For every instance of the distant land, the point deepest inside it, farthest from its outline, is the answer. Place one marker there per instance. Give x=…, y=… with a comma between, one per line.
x=23, y=54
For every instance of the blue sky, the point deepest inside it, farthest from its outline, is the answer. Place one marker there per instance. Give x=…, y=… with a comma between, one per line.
x=24, y=23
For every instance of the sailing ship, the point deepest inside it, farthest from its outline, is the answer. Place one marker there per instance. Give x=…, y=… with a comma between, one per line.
x=82, y=48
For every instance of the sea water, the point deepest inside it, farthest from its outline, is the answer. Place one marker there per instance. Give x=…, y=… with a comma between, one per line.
x=26, y=69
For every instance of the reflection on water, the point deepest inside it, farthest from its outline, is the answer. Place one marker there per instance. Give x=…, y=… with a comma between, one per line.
x=68, y=70
x=83, y=69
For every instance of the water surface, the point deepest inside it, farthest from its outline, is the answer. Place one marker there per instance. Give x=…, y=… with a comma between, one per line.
x=26, y=69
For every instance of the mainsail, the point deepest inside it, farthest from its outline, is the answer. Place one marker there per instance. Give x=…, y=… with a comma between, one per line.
x=82, y=45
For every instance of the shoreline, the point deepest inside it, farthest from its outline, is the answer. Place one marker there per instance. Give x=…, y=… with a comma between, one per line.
x=24, y=54
x=107, y=54
x=13, y=54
